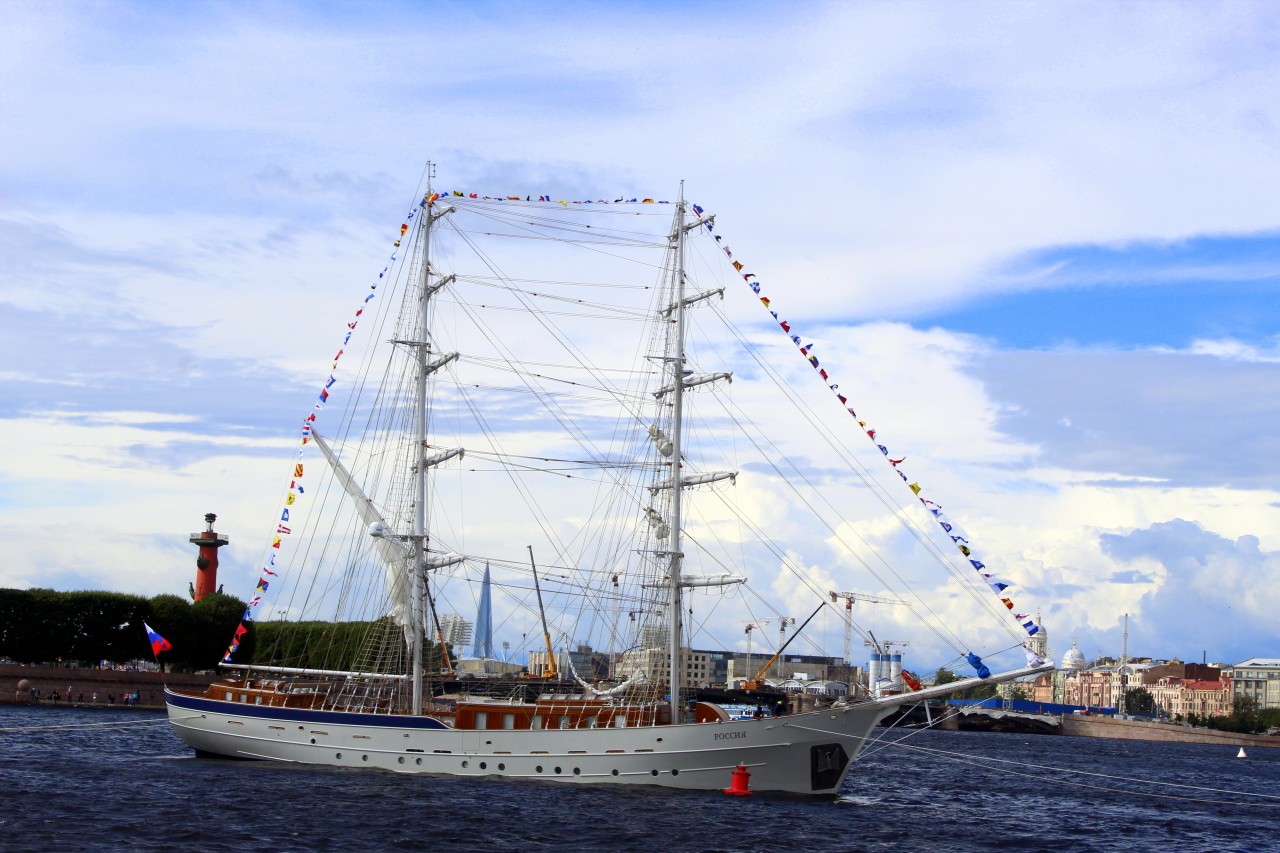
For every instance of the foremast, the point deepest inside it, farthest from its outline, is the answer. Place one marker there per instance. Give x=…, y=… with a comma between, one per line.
x=421, y=562
x=676, y=360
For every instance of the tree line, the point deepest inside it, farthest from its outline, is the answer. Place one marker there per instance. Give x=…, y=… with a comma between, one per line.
x=1245, y=718
x=87, y=627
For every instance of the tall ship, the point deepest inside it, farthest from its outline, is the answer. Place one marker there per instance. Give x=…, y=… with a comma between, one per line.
x=534, y=399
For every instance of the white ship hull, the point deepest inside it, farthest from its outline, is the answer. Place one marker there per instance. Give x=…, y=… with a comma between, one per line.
x=802, y=753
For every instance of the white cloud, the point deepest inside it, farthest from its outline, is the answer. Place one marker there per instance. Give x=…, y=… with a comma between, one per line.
x=186, y=222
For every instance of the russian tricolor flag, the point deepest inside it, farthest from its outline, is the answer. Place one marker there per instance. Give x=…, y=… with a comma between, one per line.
x=158, y=644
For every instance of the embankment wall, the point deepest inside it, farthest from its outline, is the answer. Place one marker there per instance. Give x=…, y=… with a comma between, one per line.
x=148, y=685
x=1077, y=725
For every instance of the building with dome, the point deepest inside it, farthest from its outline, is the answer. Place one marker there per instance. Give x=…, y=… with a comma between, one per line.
x=1073, y=659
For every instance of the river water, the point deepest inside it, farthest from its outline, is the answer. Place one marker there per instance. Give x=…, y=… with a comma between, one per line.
x=141, y=789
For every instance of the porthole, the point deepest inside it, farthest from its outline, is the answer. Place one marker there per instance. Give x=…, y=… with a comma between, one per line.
x=557, y=771
x=502, y=767
x=615, y=772
x=465, y=764
x=653, y=772
x=339, y=755
x=577, y=771
x=538, y=768
x=400, y=759
x=364, y=758
x=675, y=772
x=484, y=766
x=417, y=761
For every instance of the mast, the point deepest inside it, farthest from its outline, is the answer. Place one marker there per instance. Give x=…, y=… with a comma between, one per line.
x=419, y=455
x=676, y=360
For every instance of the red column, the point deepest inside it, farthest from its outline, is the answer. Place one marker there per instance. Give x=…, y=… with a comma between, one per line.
x=207, y=562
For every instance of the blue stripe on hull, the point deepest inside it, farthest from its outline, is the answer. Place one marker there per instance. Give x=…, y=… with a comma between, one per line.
x=266, y=712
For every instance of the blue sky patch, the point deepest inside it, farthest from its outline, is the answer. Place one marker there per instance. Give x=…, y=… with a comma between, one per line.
x=1136, y=295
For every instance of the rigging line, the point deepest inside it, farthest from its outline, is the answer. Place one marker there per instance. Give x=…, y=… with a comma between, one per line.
x=480, y=278
x=536, y=313
x=603, y=306
x=498, y=364
x=552, y=313
x=611, y=390
x=619, y=242
x=624, y=467
x=786, y=562
x=530, y=468
x=700, y=626
x=564, y=394
x=547, y=529
x=869, y=480
x=840, y=516
x=550, y=328
x=519, y=220
x=908, y=523
x=119, y=724
x=588, y=248
x=348, y=580
x=561, y=224
x=823, y=521
x=533, y=309
x=494, y=203
x=546, y=459
x=540, y=394
x=381, y=312
x=561, y=582
x=347, y=415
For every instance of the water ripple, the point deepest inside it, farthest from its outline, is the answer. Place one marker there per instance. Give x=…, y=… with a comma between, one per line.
x=141, y=789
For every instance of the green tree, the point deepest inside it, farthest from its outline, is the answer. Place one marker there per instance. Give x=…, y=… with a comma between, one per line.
x=944, y=676
x=343, y=646
x=106, y=626
x=1138, y=700
x=171, y=618
x=214, y=620
x=34, y=625
x=41, y=625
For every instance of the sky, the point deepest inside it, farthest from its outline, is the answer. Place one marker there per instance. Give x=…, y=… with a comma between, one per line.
x=1041, y=241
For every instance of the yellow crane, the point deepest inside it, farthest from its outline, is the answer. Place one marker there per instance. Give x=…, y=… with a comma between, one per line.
x=754, y=683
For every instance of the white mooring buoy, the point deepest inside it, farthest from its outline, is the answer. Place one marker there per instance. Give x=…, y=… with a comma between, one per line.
x=1241, y=754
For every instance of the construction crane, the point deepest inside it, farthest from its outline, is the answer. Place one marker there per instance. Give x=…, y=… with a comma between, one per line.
x=849, y=599
x=751, y=626
x=754, y=683
x=783, y=622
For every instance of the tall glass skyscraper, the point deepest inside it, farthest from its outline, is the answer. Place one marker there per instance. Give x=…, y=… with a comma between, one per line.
x=484, y=622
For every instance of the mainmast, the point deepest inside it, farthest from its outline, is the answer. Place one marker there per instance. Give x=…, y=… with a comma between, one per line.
x=420, y=450
x=675, y=358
